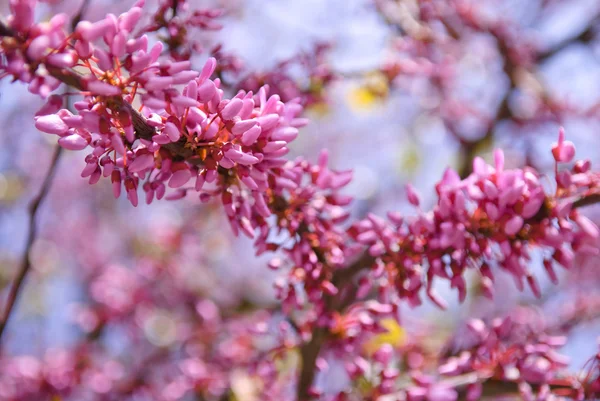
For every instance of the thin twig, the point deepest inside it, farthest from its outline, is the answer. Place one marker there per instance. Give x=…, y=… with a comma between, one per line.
x=35, y=202
x=587, y=200
x=25, y=262
x=79, y=15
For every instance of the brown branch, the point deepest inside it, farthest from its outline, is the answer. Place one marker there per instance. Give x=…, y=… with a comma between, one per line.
x=586, y=36
x=77, y=18
x=309, y=352
x=4, y=30
x=34, y=206
x=140, y=125
x=174, y=7
x=493, y=387
x=470, y=149
x=586, y=200
x=25, y=262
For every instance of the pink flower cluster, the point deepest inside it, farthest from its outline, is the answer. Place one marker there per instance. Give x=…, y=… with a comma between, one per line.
x=179, y=342
x=493, y=218
x=152, y=122
x=509, y=351
x=310, y=210
x=225, y=146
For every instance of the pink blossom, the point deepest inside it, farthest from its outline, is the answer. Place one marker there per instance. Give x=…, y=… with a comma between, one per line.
x=141, y=163
x=73, y=142
x=563, y=151
x=103, y=88
x=180, y=178
x=51, y=124
x=92, y=31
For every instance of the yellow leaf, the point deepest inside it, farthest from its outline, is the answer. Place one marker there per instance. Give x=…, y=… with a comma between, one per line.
x=11, y=187
x=288, y=360
x=361, y=98
x=373, y=91
x=394, y=336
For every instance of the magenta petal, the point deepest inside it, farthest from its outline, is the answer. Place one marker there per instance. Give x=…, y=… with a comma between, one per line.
x=242, y=126
x=141, y=163
x=191, y=90
x=172, y=131
x=412, y=195
x=268, y=122
x=61, y=60
x=180, y=178
x=73, y=142
x=129, y=19
x=38, y=47
x=231, y=109
x=90, y=32
x=287, y=134
x=587, y=226
x=184, y=77
x=251, y=135
x=499, y=160
x=513, y=225
x=117, y=143
x=103, y=88
x=179, y=194
x=161, y=139
x=208, y=69
x=206, y=91
x=567, y=152
x=51, y=124
x=273, y=146
x=183, y=101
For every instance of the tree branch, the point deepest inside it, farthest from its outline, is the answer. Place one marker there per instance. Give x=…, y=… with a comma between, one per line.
x=309, y=352
x=469, y=149
x=144, y=130
x=34, y=206
x=586, y=200
x=492, y=387
x=79, y=15
x=25, y=263
x=586, y=36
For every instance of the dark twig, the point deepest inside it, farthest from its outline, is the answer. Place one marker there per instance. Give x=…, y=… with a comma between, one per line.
x=586, y=36
x=77, y=18
x=34, y=206
x=309, y=353
x=25, y=262
x=587, y=200
x=174, y=7
x=470, y=149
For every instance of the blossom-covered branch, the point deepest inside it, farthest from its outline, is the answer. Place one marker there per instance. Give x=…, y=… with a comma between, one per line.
x=154, y=124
